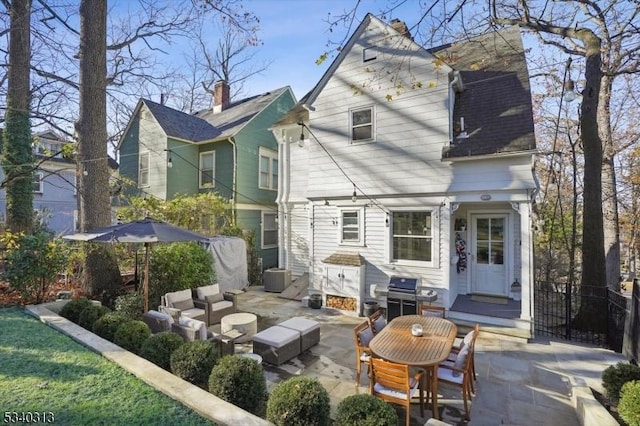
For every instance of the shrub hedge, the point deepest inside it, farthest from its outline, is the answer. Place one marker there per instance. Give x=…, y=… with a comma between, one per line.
x=365, y=410
x=240, y=381
x=629, y=406
x=73, y=308
x=194, y=361
x=131, y=305
x=159, y=347
x=130, y=335
x=107, y=325
x=299, y=401
x=91, y=314
x=614, y=376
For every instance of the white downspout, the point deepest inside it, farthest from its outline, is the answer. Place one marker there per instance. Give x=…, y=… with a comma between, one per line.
x=233, y=182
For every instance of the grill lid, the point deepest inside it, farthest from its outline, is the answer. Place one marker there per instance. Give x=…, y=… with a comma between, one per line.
x=403, y=284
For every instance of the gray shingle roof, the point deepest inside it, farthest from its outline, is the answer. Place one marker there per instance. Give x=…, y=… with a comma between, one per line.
x=496, y=100
x=205, y=125
x=180, y=125
x=237, y=114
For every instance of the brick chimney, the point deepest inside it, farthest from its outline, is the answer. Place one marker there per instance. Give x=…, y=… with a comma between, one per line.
x=220, y=96
x=401, y=27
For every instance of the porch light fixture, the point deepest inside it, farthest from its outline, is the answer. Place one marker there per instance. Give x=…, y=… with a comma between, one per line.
x=354, y=196
x=301, y=140
x=85, y=172
x=169, y=162
x=485, y=197
x=570, y=93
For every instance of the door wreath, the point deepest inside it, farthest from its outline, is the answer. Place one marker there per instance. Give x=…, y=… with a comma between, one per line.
x=461, y=252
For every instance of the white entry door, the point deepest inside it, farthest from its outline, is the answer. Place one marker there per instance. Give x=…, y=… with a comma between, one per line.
x=489, y=235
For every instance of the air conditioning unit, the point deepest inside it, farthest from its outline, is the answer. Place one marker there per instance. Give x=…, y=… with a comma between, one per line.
x=275, y=280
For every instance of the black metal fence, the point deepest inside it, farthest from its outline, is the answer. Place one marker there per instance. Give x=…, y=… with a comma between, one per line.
x=587, y=314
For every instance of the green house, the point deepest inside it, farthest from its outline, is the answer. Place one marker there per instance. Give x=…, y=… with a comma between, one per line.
x=227, y=149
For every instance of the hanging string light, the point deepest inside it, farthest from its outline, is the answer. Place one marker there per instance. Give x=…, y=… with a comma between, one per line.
x=354, y=197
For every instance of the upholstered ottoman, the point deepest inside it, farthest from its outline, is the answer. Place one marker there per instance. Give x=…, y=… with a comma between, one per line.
x=309, y=331
x=277, y=344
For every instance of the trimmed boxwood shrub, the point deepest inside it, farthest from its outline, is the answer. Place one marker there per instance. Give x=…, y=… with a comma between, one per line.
x=107, y=325
x=194, y=361
x=91, y=314
x=73, y=308
x=365, y=410
x=299, y=401
x=131, y=335
x=159, y=347
x=614, y=376
x=131, y=305
x=629, y=406
x=240, y=381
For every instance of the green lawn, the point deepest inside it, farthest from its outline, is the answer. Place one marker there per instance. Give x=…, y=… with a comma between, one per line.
x=43, y=370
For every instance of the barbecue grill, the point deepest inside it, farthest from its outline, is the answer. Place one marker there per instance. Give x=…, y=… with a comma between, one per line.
x=402, y=297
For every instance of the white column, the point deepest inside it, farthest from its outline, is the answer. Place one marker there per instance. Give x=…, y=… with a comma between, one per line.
x=526, y=260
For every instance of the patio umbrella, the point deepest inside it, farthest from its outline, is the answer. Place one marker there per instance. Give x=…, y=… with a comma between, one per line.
x=146, y=231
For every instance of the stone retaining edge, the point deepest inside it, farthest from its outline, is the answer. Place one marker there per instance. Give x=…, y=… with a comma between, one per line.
x=589, y=411
x=199, y=400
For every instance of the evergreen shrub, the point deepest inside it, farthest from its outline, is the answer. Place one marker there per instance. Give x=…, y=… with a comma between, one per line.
x=159, y=347
x=131, y=334
x=240, y=381
x=299, y=401
x=194, y=361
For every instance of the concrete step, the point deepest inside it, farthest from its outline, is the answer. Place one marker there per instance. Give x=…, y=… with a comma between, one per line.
x=465, y=326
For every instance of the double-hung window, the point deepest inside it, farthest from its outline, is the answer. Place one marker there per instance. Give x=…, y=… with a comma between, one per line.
x=269, y=230
x=351, y=230
x=207, y=169
x=412, y=238
x=268, y=173
x=143, y=169
x=38, y=183
x=362, y=124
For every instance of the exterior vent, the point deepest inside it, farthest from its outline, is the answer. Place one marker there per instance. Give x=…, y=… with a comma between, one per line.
x=275, y=280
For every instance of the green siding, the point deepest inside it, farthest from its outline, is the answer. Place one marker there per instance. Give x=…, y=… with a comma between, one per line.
x=128, y=168
x=182, y=177
x=251, y=219
x=223, y=167
x=249, y=140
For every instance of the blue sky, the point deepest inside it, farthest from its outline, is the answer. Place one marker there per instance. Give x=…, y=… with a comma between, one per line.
x=295, y=34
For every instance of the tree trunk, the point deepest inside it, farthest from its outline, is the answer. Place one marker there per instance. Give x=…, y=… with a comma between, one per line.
x=17, y=160
x=592, y=313
x=609, y=192
x=101, y=274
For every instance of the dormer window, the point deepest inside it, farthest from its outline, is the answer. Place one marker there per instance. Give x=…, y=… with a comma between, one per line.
x=369, y=54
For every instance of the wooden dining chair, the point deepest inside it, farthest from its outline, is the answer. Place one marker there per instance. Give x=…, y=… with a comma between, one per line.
x=377, y=321
x=428, y=310
x=392, y=382
x=362, y=336
x=469, y=339
x=459, y=372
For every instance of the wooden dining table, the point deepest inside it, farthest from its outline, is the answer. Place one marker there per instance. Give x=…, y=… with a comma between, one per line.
x=397, y=344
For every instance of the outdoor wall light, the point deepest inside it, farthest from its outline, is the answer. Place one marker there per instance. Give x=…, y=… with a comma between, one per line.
x=354, y=196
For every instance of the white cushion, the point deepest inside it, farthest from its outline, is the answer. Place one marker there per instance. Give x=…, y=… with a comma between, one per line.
x=468, y=338
x=195, y=324
x=276, y=336
x=460, y=360
x=396, y=393
x=177, y=296
x=221, y=305
x=446, y=374
x=208, y=290
x=300, y=324
x=365, y=336
x=192, y=313
x=365, y=357
x=161, y=315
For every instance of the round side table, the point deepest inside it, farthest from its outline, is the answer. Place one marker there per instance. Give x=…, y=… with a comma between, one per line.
x=243, y=322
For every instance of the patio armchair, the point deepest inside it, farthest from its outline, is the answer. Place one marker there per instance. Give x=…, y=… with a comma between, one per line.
x=157, y=321
x=392, y=382
x=188, y=307
x=362, y=336
x=190, y=330
x=217, y=303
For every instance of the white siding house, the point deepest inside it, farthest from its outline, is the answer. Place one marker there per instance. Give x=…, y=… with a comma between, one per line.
x=409, y=160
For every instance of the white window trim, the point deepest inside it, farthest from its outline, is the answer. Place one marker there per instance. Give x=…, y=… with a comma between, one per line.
x=272, y=178
x=373, y=124
x=361, y=218
x=213, y=172
x=140, y=169
x=262, y=229
x=369, y=54
x=40, y=177
x=435, y=226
